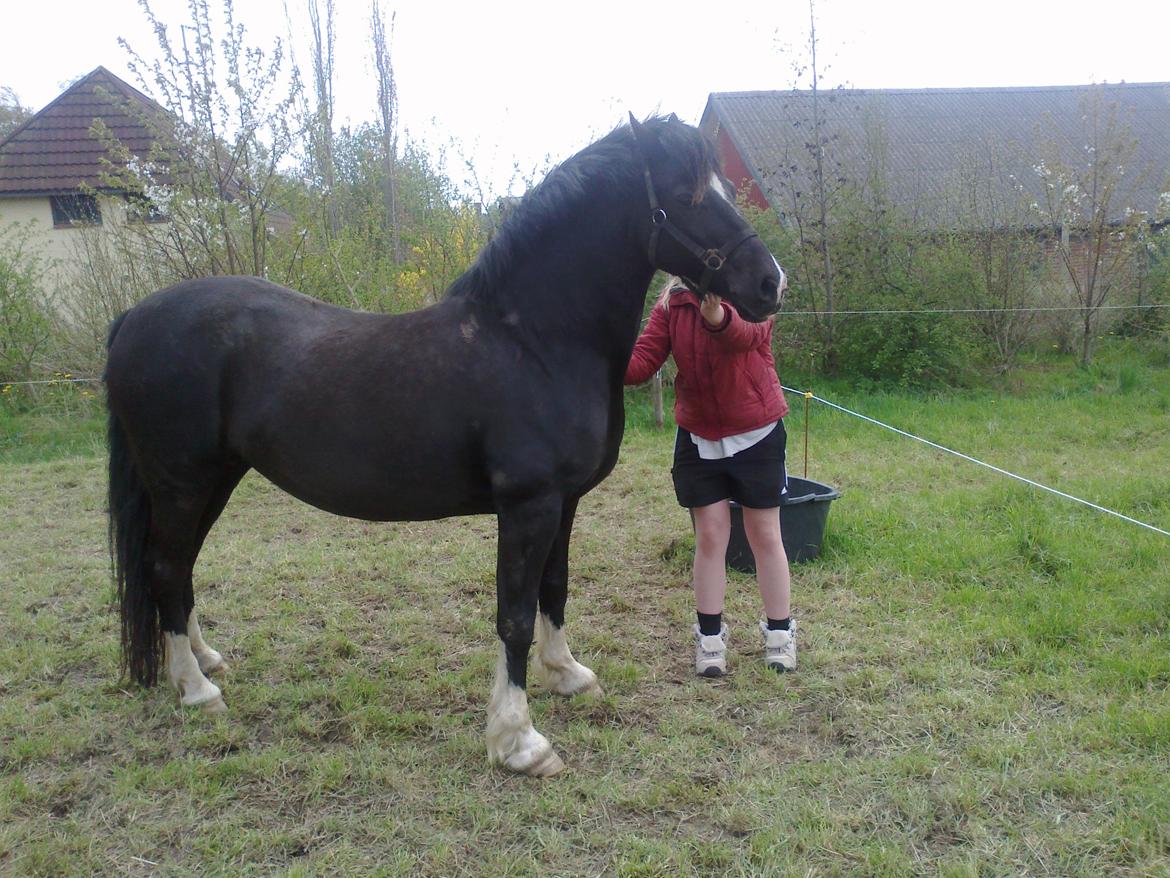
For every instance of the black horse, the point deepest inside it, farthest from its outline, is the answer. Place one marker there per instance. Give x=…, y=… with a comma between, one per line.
x=504, y=398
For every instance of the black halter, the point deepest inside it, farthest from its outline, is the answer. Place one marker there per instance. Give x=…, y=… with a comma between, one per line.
x=712, y=258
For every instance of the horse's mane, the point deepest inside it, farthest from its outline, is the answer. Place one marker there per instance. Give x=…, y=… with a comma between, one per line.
x=610, y=164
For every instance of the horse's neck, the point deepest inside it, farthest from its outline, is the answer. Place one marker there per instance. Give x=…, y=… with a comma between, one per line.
x=569, y=296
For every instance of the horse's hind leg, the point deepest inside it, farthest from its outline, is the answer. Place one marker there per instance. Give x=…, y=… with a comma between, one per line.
x=562, y=673
x=172, y=546
x=209, y=660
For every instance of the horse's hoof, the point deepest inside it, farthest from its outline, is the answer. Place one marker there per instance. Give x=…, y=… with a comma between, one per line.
x=213, y=705
x=531, y=755
x=584, y=684
x=545, y=766
x=219, y=669
x=591, y=688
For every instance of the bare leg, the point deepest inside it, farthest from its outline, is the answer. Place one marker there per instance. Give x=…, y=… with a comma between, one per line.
x=762, y=527
x=712, y=532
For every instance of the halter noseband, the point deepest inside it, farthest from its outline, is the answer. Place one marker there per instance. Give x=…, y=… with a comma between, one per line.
x=712, y=258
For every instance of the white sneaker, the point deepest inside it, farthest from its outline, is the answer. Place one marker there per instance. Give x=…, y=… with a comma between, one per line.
x=710, y=653
x=779, y=648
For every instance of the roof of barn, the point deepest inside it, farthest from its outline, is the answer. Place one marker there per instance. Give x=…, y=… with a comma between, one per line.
x=923, y=140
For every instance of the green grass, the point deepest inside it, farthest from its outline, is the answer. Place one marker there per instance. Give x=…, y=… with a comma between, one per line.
x=984, y=686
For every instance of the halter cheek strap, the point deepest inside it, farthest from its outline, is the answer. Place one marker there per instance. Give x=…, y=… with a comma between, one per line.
x=712, y=258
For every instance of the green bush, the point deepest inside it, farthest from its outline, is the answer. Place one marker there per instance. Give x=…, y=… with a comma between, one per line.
x=24, y=323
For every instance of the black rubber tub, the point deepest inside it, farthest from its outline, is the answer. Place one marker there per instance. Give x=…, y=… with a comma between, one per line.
x=804, y=511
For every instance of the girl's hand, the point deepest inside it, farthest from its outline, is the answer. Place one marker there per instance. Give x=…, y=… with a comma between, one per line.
x=712, y=310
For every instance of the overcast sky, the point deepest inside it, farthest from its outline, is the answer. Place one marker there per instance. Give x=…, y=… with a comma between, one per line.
x=529, y=83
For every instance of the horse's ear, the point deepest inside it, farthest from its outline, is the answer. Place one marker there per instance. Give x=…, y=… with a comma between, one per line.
x=641, y=136
x=639, y=130
x=672, y=118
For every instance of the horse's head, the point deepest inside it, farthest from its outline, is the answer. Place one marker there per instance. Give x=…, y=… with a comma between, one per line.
x=693, y=228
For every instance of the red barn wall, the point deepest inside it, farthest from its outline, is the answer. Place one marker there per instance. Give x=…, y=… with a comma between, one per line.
x=737, y=171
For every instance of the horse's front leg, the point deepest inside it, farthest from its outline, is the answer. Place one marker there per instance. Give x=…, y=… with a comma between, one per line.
x=527, y=530
x=562, y=673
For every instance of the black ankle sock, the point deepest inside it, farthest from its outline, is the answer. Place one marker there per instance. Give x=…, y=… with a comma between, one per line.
x=710, y=623
x=780, y=624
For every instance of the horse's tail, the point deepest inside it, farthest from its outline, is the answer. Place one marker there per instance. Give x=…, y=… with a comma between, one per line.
x=129, y=509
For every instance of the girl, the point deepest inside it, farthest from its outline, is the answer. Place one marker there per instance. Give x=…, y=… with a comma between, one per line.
x=730, y=446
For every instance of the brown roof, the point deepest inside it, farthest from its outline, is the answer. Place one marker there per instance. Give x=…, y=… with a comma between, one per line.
x=55, y=152
x=925, y=140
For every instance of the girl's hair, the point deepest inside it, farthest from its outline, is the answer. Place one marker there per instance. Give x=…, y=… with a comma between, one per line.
x=672, y=283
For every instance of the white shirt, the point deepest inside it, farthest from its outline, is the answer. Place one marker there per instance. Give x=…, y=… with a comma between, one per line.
x=729, y=446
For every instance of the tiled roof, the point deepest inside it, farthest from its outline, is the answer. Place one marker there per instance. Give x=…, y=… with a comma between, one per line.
x=54, y=151
x=926, y=142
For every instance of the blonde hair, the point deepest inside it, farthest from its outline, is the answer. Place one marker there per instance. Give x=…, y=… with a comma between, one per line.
x=672, y=283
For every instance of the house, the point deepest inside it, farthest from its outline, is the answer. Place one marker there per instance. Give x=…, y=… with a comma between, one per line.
x=927, y=148
x=52, y=168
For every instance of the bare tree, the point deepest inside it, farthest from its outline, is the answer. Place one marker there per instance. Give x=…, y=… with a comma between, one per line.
x=809, y=183
x=388, y=115
x=820, y=186
x=322, y=138
x=1086, y=200
x=12, y=113
x=995, y=230
x=214, y=169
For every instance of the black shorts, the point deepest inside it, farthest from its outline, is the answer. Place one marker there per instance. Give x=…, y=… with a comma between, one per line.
x=753, y=478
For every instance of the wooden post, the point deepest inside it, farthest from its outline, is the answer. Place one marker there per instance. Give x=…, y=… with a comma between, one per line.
x=657, y=396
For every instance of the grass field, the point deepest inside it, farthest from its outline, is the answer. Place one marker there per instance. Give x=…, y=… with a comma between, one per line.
x=984, y=686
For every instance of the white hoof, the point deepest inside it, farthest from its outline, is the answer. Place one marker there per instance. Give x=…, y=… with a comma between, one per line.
x=574, y=680
x=207, y=697
x=529, y=753
x=211, y=662
x=214, y=706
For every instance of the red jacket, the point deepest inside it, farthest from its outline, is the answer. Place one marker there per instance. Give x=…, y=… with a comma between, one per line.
x=726, y=381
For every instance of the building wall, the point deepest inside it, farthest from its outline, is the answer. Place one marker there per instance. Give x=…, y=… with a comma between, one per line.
x=59, y=247
x=737, y=171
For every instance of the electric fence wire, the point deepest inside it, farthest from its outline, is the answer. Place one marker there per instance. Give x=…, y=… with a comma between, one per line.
x=967, y=457
x=49, y=381
x=904, y=311
x=867, y=313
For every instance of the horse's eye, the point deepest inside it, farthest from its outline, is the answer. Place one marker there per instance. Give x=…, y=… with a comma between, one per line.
x=685, y=199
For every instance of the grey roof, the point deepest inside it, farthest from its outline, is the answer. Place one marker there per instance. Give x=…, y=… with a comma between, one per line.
x=930, y=143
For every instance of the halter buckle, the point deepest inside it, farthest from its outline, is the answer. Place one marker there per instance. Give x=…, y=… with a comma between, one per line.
x=713, y=259
x=658, y=216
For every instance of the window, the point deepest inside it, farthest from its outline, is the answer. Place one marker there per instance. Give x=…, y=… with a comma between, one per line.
x=75, y=210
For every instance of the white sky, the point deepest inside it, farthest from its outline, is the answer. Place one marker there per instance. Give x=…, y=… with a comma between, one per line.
x=531, y=82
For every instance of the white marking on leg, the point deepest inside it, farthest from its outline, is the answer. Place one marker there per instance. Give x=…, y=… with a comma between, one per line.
x=183, y=669
x=562, y=673
x=512, y=741
x=209, y=660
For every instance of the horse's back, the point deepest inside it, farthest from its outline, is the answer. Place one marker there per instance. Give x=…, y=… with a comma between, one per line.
x=224, y=309
x=177, y=357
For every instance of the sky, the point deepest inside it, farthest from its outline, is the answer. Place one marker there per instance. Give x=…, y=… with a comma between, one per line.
x=513, y=87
